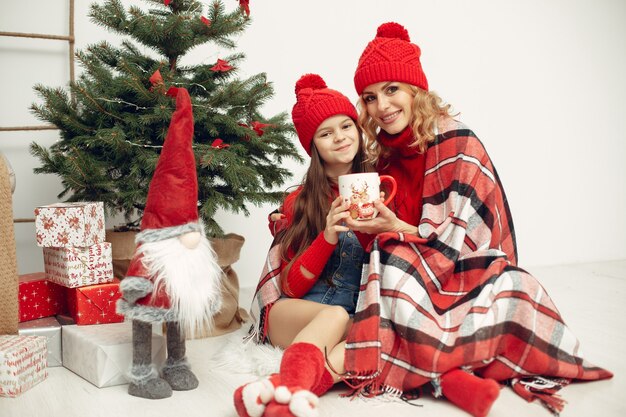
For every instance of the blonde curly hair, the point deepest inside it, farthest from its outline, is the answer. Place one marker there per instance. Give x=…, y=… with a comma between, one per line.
x=427, y=107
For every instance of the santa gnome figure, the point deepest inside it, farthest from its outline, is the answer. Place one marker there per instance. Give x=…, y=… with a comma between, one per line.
x=173, y=276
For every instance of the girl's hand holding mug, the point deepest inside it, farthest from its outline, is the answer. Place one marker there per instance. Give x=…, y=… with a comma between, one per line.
x=335, y=221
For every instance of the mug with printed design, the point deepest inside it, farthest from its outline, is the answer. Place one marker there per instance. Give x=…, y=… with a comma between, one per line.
x=361, y=190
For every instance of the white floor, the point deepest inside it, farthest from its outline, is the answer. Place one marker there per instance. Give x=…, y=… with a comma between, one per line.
x=591, y=298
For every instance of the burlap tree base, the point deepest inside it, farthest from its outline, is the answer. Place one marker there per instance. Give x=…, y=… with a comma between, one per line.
x=8, y=261
x=231, y=317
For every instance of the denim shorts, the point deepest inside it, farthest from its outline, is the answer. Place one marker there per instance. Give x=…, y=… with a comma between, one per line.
x=344, y=271
x=338, y=295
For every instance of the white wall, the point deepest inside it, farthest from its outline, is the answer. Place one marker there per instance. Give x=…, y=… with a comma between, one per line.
x=541, y=83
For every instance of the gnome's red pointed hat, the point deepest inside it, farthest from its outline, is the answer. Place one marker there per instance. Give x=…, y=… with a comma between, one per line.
x=172, y=203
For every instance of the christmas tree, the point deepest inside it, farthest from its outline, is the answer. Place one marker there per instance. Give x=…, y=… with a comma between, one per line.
x=114, y=118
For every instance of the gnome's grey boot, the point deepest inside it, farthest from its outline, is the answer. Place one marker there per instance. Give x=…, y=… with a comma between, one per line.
x=176, y=370
x=144, y=379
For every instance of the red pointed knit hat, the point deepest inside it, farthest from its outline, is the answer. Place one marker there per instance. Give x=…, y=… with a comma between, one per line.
x=390, y=57
x=316, y=103
x=172, y=203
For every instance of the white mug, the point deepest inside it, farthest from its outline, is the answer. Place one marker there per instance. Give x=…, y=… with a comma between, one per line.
x=361, y=190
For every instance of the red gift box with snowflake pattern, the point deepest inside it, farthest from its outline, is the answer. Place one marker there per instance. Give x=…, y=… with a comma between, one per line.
x=94, y=304
x=70, y=224
x=38, y=297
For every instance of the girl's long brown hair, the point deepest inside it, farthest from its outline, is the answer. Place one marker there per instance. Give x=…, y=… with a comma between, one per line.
x=312, y=204
x=427, y=107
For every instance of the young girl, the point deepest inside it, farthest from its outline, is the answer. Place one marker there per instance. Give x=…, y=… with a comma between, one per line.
x=310, y=285
x=454, y=307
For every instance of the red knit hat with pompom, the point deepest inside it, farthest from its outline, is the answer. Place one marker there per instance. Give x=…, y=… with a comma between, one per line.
x=316, y=103
x=390, y=57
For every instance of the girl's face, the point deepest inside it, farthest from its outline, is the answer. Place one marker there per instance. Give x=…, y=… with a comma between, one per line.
x=337, y=141
x=389, y=104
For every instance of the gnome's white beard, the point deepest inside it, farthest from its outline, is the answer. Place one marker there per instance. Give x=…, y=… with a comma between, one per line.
x=191, y=278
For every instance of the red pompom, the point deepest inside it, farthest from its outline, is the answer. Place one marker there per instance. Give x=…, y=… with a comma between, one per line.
x=313, y=81
x=393, y=30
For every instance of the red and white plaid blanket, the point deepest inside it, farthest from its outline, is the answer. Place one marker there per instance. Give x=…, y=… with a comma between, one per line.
x=454, y=297
x=266, y=294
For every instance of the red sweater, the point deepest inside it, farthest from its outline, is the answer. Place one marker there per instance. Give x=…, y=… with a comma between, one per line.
x=407, y=166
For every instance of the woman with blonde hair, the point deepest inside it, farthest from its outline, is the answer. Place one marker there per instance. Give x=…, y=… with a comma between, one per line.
x=444, y=300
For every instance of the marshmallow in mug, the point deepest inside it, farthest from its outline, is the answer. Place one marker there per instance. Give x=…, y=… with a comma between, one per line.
x=361, y=190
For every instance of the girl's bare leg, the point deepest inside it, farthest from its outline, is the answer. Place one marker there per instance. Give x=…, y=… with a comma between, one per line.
x=295, y=320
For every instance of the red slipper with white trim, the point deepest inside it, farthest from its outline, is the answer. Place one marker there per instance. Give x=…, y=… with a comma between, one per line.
x=251, y=399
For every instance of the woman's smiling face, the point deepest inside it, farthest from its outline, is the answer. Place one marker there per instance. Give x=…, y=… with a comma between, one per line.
x=389, y=104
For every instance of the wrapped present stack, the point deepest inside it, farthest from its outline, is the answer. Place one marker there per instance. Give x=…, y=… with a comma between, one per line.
x=77, y=257
x=73, y=302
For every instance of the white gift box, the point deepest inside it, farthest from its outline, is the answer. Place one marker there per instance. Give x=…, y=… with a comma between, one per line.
x=51, y=329
x=102, y=353
x=70, y=224
x=79, y=266
x=22, y=363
